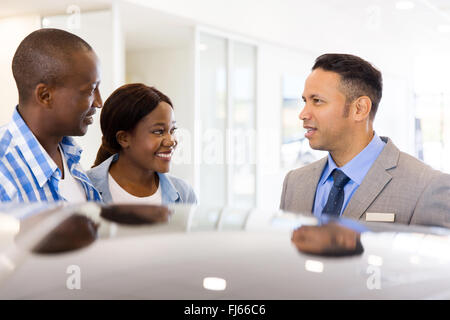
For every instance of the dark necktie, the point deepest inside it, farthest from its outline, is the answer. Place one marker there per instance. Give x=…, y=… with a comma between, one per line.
x=336, y=197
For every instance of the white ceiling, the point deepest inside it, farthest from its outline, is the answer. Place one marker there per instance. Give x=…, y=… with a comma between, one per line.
x=143, y=26
x=10, y=8
x=340, y=20
x=147, y=28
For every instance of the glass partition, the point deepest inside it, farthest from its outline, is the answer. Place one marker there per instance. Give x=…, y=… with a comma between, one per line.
x=227, y=91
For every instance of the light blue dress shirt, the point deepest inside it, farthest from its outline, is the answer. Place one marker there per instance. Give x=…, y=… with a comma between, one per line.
x=356, y=170
x=173, y=190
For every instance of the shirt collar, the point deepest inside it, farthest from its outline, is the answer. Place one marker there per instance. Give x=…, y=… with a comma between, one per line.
x=38, y=160
x=168, y=191
x=357, y=168
x=41, y=165
x=71, y=149
x=72, y=154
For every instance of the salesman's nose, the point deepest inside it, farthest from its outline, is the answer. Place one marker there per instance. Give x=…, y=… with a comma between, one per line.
x=304, y=114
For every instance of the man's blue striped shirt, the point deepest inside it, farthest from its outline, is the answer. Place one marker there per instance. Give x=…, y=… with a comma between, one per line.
x=28, y=174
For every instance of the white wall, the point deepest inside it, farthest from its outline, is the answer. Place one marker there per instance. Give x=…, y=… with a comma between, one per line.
x=395, y=115
x=170, y=70
x=273, y=64
x=104, y=34
x=12, y=32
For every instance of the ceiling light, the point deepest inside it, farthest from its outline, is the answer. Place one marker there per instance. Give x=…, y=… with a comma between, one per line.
x=405, y=5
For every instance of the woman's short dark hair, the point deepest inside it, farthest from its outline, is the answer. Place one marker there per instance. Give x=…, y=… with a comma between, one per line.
x=358, y=77
x=123, y=109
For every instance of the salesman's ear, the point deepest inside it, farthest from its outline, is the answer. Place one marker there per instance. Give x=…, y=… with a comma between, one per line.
x=362, y=108
x=123, y=138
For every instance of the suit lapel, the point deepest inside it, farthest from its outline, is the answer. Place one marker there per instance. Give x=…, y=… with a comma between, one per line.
x=312, y=177
x=374, y=182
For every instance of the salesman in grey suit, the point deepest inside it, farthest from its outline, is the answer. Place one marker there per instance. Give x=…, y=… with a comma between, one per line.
x=365, y=176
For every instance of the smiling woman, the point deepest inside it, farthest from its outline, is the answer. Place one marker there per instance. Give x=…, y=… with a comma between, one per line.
x=138, y=126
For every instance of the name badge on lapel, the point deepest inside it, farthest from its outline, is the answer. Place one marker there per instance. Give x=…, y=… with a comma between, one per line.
x=380, y=217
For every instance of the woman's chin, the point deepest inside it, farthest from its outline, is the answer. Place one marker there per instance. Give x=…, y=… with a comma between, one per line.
x=163, y=169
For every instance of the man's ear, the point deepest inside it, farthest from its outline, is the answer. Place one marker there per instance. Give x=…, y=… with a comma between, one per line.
x=362, y=107
x=123, y=138
x=43, y=95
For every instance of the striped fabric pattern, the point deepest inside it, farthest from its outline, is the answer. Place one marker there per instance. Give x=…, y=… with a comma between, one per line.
x=28, y=174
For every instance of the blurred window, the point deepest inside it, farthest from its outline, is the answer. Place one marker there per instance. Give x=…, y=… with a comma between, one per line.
x=433, y=130
x=227, y=96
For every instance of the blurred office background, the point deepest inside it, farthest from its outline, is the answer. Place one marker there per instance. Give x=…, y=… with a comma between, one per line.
x=235, y=69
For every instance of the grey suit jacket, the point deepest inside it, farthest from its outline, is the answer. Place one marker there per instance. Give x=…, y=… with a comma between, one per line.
x=396, y=183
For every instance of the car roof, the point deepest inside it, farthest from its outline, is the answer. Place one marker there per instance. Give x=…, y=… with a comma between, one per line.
x=250, y=250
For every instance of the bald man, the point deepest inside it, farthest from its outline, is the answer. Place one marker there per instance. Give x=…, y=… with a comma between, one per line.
x=57, y=76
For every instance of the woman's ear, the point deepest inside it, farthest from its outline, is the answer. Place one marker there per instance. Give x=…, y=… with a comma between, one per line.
x=123, y=138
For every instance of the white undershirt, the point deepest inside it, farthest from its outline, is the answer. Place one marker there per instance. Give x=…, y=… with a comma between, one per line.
x=119, y=195
x=69, y=187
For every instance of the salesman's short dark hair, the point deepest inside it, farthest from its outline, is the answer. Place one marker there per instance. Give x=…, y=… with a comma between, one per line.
x=358, y=77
